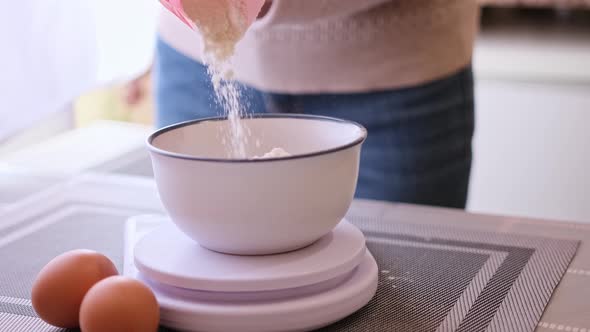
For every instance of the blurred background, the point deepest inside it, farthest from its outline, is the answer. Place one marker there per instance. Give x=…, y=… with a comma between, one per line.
x=76, y=96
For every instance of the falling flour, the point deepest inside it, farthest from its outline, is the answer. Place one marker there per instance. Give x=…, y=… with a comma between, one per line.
x=222, y=24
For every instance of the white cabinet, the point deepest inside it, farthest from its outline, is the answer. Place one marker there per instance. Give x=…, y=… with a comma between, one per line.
x=532, y=150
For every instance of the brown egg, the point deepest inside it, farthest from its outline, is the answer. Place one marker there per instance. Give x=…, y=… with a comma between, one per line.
x=119, y=304
x=61, y=285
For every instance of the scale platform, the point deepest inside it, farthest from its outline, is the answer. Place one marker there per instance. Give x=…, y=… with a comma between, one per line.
x=203, y=290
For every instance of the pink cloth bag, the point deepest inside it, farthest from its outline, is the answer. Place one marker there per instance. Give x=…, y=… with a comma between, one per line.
x=252, y=8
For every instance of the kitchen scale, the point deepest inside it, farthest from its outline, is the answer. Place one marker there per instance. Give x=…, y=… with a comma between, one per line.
x=202, y=290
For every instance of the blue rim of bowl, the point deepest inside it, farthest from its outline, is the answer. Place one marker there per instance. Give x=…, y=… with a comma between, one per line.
x=166, y=129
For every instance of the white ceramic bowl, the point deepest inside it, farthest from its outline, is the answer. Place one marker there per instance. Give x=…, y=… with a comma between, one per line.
x=260, y=206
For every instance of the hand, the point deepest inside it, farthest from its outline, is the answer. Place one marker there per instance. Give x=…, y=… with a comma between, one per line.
x=135, y=90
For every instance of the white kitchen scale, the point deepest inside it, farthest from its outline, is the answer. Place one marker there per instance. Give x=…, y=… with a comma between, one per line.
x=203, y=290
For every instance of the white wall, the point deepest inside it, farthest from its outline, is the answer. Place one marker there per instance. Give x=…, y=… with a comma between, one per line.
x=57, y=49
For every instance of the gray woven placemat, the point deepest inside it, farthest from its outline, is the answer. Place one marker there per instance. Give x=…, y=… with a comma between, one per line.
x=445, y=279
x=431, y=278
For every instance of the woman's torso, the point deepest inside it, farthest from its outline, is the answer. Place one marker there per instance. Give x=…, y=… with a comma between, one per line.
x=391, y=45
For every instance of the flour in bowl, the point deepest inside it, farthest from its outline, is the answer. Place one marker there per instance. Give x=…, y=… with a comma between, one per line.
x=274, y=153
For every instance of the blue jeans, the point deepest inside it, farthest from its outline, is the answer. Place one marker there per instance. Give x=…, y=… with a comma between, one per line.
x=419, y=144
